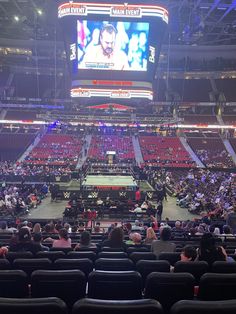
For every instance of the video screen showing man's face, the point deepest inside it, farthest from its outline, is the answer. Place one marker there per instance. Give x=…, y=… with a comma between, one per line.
x=104, y=45
x=107, y=41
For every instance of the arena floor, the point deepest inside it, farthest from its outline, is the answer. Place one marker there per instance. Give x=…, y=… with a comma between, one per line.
x=48, y=210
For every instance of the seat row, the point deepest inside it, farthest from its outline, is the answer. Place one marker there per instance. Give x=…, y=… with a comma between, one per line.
x=144, y=267
x=70, y=286
x=94, y=306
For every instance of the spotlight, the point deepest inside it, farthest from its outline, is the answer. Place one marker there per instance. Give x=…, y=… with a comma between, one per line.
x=16, y=18
x=40, y=12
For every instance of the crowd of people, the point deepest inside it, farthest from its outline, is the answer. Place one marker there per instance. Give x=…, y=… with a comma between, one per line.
x=157, y=238
x=18, y=200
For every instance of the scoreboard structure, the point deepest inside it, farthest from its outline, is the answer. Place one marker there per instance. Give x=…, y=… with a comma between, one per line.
x=112, y=48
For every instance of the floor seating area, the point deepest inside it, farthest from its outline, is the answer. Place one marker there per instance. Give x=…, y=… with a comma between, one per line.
x=164, y=151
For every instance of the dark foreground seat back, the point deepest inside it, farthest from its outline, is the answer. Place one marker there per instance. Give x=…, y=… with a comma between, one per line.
x=204, y=307
x=115, y=285
x=149, y=266
x=13, y=284
x=95, y=306
x=215, y=287
x=32, y=306
x=69, y=285
x=169, y=288
x=223, y=267
x=114, y=264
x=83, y=264
x=197, y=269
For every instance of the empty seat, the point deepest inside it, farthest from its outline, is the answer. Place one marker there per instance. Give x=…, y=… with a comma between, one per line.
x=197, y=269
x=145, y=267
x=204, y=307
x=31, y=264
x=111, y=249
x=112, y=255
x=69, y=285
x=83, y=264
x=137, y=256
x=4, y=264
x=32, y=306
x=117, y=285
x=84, y=254
x=91, y=249
x=11, y=256
x=214, y=287
x=171, y=257
x=169, y=288
x=111, y=264
x=94, y=306
x=223, y=267
x=13, y=284
x=137, y=249
x=52, y=255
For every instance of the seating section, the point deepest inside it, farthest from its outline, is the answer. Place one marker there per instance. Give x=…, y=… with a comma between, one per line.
x=188, y=90
x=30, y=85
x=122, y=145
x=164, y=152
x=227, y=86
x=200, y=119
x=233, y=143
x=21, y=115
x=13, y=145
x=211, y=152
x=55, y=149
x=229, y=119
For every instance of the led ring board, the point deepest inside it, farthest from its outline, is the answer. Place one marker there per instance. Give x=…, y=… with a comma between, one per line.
x=112, y=42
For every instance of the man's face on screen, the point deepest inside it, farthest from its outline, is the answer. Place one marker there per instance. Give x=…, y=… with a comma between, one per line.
x=108, y=42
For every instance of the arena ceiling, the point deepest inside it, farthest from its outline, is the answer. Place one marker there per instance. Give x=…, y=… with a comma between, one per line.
x=193, y=22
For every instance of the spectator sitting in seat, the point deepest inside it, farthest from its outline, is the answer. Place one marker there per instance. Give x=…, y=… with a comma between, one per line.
x=23, y=242
x=150, y=236
x=135, y=238
x=189, y=254
x=64, y=240
x=85, y=241
x=4, y=228
x=116, y=239
x=208, y=250
x=37, y=238
x=164, y=244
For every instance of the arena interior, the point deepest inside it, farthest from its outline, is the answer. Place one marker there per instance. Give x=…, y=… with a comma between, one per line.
x=118, y=157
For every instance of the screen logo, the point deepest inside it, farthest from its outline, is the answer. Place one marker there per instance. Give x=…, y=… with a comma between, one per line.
x=152, y=52
x=72, y=52
x=126, y=11
x=71, y=9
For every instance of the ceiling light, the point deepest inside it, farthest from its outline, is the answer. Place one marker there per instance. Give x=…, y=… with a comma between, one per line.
x=16, y=18
x=40, y=12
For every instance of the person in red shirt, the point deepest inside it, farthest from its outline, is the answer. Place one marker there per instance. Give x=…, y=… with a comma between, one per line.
x=137, y=195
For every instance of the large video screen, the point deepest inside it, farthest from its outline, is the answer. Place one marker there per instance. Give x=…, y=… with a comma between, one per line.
x=112, y=45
